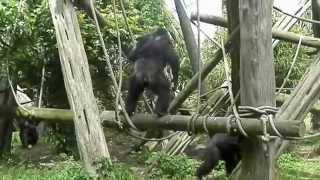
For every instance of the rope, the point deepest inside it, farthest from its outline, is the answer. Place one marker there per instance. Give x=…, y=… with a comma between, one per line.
x=123, y=10
x=199, y=57
x=114, y=81
x=291, y=67
x=228, y=83
x=120, y=65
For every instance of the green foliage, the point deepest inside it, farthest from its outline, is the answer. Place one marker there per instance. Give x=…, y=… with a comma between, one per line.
x=217, y=76
x=293, y=167
x=115, y=171
x=172, y=167
x=284, y=55
x=67, y=170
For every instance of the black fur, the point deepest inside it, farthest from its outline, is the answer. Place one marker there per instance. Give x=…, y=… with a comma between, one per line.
x=220, y=147
x=28, y=134
x=153, y=52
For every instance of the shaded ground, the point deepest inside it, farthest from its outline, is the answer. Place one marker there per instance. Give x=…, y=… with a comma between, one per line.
x=302, y=164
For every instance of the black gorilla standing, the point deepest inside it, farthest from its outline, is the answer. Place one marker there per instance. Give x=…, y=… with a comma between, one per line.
x=28, y=133
x=220, y=147
x=152, y=54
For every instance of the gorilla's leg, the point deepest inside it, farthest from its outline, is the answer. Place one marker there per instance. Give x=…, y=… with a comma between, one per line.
x=135, y=90
x=212, y=156
x=161, y=87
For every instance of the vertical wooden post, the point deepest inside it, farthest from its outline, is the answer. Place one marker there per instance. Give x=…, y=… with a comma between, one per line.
x=315, y=4
x=233, y=22
x=257, y=80
x=316, y=33
x=6, y=99
x=90, y=137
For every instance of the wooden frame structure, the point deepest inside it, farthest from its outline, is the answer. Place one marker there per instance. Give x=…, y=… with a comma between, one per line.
x=250, y=45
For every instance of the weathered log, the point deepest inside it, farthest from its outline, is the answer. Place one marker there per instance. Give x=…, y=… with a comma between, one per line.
x=281, y=98
x=277, y=34
x=233, y=23
x=91, y=141
x=257, y=82
x=169, y=122
x=315, y=5
x=6, y=127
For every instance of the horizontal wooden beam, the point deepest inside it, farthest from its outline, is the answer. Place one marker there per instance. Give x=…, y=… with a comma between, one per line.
x=170, y=122
x=276, y=34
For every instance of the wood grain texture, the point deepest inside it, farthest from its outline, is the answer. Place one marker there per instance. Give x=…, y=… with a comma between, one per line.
x=90, y=137
x=257, y=81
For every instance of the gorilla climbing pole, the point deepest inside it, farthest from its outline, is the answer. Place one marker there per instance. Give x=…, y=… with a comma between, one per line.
x=90, y=137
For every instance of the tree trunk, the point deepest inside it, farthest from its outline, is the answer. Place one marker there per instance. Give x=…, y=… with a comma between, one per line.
x=90, y=137
x=316, y=33
x=233, y=16
x=315, y=4
x=6, y=127
x=257, y=81
x=189, y=40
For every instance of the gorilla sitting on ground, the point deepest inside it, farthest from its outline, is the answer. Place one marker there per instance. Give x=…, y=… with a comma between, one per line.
x=153, y=52
x=220, y=147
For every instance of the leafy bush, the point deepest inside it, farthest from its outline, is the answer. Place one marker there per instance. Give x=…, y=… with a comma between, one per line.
x=172, y=167
x=115, y=171
x=67, y=170
x=292, y=166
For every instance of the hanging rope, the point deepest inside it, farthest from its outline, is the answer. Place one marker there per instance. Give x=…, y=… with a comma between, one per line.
x=198, y=58
x=233, y=102
x=123, y=10
x=114, y=81
x=291, y=67
x=120, y=65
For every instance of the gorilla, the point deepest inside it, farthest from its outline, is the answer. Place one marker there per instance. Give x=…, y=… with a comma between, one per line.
x=220, y=147
x=28, y=133
x=152, y=53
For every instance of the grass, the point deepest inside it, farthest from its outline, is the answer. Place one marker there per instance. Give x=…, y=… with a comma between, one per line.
x=63, y=170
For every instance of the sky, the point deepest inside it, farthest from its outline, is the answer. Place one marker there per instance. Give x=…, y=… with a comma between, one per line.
x=214, y=7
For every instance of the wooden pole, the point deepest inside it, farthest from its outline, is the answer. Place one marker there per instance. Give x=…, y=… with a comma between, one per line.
x=170, y=122
x=75, y=69
x=276, y=34
x=257, y=82
x=6, y=126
